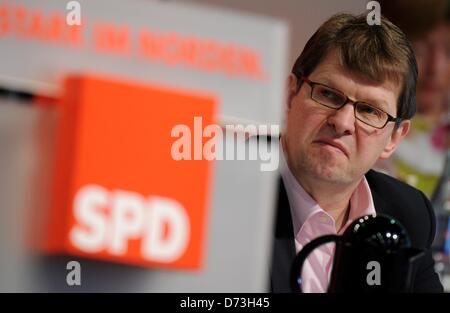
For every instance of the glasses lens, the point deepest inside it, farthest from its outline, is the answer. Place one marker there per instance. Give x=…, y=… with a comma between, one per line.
x=370, y=115
x=328, y=97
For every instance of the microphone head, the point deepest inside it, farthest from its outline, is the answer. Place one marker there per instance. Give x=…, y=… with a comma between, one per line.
x=379, y=231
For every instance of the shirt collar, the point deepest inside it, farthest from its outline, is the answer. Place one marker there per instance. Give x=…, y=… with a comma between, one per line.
x=303, y=206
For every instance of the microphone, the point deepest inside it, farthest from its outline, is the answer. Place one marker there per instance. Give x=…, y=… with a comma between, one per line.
x=374, y=255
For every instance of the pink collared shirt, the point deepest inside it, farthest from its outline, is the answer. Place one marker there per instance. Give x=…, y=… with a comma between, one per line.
x=311, y=221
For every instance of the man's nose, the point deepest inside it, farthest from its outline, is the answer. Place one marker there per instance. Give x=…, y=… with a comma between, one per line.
x=343, y=120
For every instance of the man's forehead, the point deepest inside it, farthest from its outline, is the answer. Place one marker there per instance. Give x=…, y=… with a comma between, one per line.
x=336, y=75
x=332, y=66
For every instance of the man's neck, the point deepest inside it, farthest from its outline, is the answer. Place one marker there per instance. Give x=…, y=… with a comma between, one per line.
x=333, y=198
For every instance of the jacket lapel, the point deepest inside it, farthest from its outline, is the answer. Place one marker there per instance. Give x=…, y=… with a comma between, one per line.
x=284, y=245
x=378, y=201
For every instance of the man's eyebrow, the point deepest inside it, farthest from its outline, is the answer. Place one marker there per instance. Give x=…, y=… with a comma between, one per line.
x=327, y=81
x=324, y=80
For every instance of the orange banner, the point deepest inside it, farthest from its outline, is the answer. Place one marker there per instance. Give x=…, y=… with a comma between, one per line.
x=118, y=194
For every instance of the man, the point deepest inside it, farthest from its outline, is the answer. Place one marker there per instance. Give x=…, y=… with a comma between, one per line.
x=350, y=101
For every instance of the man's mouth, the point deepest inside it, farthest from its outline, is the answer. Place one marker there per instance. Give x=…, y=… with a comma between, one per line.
x=334, y=143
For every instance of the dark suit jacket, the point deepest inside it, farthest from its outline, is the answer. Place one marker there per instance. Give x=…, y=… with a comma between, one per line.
x=399, y=200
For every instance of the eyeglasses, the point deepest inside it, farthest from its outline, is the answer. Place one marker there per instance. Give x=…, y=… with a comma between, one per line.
x=334, y=99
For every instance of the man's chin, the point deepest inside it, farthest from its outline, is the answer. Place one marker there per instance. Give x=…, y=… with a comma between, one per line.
x=330, y=174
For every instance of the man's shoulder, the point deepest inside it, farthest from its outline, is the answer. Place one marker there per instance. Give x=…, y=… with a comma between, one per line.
x=404, y=202
x=394, y=192
x=386, y=183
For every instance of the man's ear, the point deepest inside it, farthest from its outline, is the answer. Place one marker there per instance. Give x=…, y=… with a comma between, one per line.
x=395, y=139
x=291, y=89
